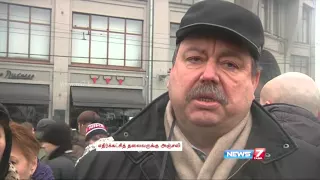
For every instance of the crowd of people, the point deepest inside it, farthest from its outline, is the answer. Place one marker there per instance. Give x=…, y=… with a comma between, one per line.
x=225, y=91
x=48, y=151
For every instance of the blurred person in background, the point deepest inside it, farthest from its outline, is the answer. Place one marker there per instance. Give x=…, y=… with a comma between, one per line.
x=269, y=70
x=56, y=141
x=83, y=120
x=95, y=131
x=293, y=100
x=86, y=118
x=29, y=126
x=7, y=169
x=25, y=148
x=292, y=88
x=42, y=125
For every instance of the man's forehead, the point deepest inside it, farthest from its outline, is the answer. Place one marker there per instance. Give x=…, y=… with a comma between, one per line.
x=201, y=43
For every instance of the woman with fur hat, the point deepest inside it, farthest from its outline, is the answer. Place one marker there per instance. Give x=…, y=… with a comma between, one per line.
x=7, y=170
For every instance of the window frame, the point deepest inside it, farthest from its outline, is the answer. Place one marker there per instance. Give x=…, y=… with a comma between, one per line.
x=7, y=58
x=276, y=20
x=265, y=7
x=303, y=62
x=90, y=29
x=172, y=37
x=299, y=38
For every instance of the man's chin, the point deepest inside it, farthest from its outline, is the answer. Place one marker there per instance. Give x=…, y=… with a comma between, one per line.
x=205, y=120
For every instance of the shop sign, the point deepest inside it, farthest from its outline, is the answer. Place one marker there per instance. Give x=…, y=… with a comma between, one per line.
x=11, y=75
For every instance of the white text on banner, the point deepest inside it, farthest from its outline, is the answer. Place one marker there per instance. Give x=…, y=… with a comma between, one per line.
x=139, y=146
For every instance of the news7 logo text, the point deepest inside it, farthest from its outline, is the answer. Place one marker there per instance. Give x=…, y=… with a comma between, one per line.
x=256, y=154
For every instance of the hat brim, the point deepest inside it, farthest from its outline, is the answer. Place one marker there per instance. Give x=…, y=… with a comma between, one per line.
x=218, y=31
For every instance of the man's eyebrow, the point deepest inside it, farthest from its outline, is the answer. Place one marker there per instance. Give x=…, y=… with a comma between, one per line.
x=194, y=48
x=230, y=53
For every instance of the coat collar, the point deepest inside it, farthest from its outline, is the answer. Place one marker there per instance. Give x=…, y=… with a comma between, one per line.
x=148, y=125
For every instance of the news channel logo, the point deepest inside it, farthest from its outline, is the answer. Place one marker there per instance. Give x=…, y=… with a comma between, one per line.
x=255, y=154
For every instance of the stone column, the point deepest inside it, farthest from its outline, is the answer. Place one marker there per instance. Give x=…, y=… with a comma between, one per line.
x=61, y=47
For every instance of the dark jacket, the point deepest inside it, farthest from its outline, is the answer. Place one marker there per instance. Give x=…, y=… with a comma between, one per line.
x=297, y=122
x=62, y=165
x=288, y=157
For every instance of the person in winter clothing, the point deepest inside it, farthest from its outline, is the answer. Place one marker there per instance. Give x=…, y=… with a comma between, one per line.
x=292, y=88
x=86, y=118
x=95, y=131
x=293, y=100
x=83, y=120
x=56, y=141
x=210, y=107
x=42, y=125
x=7, y=170
x=24, y=152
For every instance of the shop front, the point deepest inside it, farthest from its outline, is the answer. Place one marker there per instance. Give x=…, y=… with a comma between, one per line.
x=26, y=94
x=116, y=102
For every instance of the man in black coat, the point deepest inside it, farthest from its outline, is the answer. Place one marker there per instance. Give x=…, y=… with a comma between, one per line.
x=210, y=107
x=293, y=99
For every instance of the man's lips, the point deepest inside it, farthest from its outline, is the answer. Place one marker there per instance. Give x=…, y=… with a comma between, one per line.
x=205, y=98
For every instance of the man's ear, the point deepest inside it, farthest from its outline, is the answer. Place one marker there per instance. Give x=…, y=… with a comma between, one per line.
x=268, y=102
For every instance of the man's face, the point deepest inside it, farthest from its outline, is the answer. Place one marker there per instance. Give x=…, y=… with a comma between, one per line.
x=48, y=147
x=211, y=82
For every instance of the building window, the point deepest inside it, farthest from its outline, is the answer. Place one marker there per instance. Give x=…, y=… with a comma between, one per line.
x=106, y=40
x=27, y=113
x=173, y=29
x=276, y=18
x=265, y=14
x=24, y=32
x=299, y=64
x=303, y=34
x=189, y=2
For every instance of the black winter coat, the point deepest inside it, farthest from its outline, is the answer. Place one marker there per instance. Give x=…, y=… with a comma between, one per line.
x=62, y=166
x=287, y=157
x=296, y=121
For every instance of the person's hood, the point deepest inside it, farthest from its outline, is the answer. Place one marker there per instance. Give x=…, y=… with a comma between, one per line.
x=4, y=122
x=297, y=121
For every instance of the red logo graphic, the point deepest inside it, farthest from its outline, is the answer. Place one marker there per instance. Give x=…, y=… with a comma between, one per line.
x=94, y=78
x=259, y=153
x=107, y=79
x=120, y=80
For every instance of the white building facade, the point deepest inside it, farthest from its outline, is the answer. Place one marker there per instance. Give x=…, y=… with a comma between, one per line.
x=60, y=57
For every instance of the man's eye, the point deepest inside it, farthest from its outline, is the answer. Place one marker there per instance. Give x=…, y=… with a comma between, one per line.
x=230, y=65
x=194, y=59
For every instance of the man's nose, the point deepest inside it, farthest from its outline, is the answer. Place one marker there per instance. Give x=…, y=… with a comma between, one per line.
x=210, y=72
